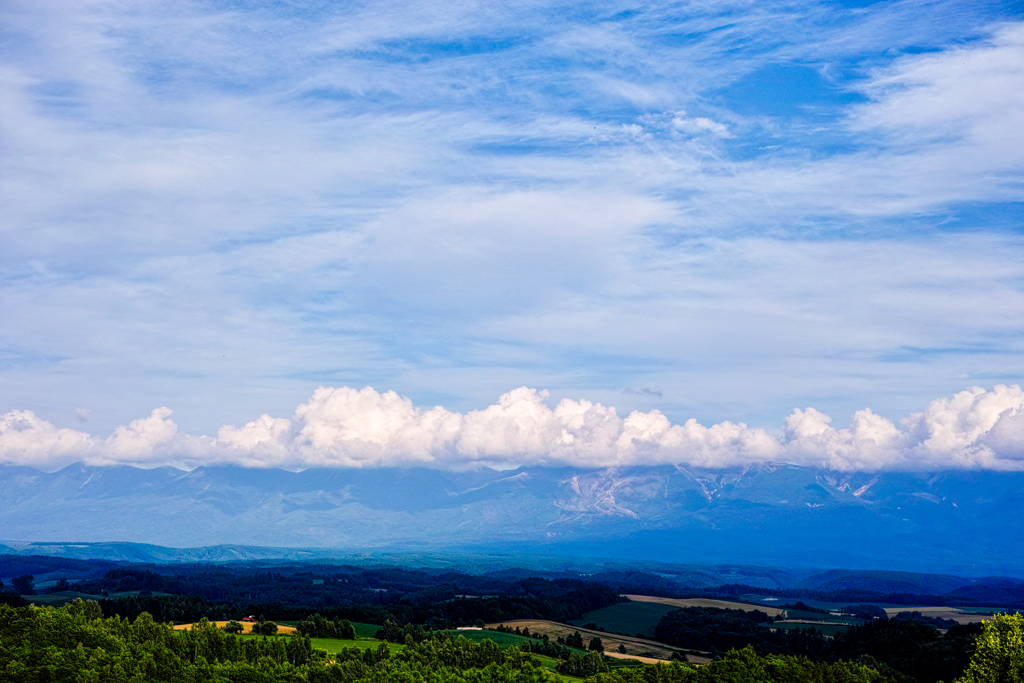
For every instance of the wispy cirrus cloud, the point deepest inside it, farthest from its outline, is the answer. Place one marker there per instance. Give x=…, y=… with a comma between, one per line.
x=219, y=206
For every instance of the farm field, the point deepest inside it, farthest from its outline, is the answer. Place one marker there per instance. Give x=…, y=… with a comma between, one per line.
x=503, y=640
x=64, y=597
x=246, y=627
x=57, y=599
x=679, y=603
x=334, y=646
x=635, y=647
x=628, y=617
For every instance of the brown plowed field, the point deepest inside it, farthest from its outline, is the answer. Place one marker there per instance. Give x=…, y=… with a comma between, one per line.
x=705, y=602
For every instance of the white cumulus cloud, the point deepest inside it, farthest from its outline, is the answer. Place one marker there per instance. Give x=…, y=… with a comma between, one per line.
x=346, y=427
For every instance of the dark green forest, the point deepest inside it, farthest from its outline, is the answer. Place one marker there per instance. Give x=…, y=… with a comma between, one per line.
x=312, y=585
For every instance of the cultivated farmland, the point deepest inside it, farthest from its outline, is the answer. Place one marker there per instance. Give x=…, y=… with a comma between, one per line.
x=679, y=603
x=635, y=647
x=632, y=618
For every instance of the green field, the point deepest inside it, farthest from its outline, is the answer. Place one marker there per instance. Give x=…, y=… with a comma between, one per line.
x=64, y=597
x=58, y=599
x=500, y=639
x=503, y=640
x=333, y=645
x=628, y=617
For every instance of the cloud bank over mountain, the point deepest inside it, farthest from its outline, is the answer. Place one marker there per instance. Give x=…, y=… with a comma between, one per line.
x=346, y=427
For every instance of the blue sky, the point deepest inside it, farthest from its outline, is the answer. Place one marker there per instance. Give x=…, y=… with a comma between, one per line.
x=719, y=210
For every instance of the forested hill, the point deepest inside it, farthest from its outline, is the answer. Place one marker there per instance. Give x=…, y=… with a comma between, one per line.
x=557, y=595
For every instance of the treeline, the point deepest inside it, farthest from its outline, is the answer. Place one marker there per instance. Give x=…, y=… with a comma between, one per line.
x=746, y=666
x=437, y=600
x=907, y=649
x=711, y=629
x=317, y=585
x=318, y=626
x=559, y=600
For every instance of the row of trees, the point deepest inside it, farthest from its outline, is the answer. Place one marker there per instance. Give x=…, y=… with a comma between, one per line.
x=908, y=649
x=22, y=585
x=576, y=640
x=556, y=603
x=317, y=626
x=707, y=628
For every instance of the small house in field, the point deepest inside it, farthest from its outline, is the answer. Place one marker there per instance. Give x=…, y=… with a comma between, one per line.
x=249, y=619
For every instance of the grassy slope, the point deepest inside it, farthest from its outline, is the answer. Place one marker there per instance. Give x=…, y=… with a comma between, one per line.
x=64, y=597
x=628, y=617
x=334, y=646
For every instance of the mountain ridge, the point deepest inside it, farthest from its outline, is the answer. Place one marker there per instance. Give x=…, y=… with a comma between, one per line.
x=782, y=515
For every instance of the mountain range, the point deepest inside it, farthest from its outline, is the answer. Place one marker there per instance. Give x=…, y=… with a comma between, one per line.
x=963, y=522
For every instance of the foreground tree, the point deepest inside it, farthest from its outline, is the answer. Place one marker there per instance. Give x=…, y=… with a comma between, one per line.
x=999, y=652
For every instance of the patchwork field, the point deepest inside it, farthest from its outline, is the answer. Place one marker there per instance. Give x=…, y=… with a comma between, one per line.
x=705, y=602
x=635, y=647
